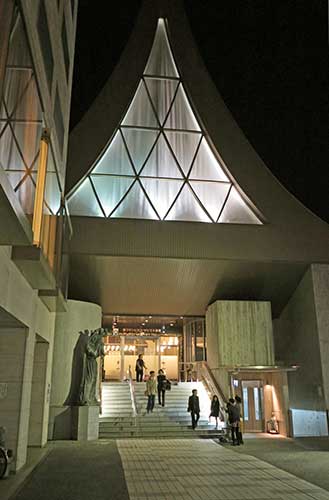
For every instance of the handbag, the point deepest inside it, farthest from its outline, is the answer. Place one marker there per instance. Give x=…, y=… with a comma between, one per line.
x=168, y=385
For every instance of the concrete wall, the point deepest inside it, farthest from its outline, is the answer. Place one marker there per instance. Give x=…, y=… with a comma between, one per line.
x=297, y=334
x=66, y=370
x=239, y=333
x=28, y=317
x=39, y=394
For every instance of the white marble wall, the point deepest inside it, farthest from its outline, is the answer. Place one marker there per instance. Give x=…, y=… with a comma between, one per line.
x=239, y=333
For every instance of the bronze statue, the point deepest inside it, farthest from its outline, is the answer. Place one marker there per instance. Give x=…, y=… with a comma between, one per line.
x=94, y=349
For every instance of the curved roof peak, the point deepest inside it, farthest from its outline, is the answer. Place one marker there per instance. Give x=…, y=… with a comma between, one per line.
x=159, y=164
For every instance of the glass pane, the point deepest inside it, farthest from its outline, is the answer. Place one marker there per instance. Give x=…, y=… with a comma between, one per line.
x=28, y=137
x=212, y=195
x=162, y=93
x=186, y=208
x=26, y=194
x=181, y=115
x=19, y=54
x=161, y=193
x=139, y=144
x=184, y=146
x=15, y=177
x=28, y=106
x=245, y=403
x=110, y=190
x=258, y=414
x=10, y=157
x=135, y=205
x=84, y=201
x=16, y=82
x=140, y=111
x=52, y=192
x=115, y=159
x=236, y=210
x=205, y=166
x=161, y=61
x=161, y=162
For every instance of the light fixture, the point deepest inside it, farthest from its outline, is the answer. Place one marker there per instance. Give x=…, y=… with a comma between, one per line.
x=40, y=188
x=150, y=317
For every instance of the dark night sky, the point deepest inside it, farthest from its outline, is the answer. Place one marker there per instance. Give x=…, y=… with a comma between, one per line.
x=269, y=60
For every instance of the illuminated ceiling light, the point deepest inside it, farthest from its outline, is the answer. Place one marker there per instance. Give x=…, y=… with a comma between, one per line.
x=146, y=321
x=150, y=317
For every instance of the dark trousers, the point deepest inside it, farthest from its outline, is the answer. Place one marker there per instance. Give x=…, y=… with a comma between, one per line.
x=139, y=376
x=161, y=397
x=195, y=418
x=150, y=403
x=236, y=434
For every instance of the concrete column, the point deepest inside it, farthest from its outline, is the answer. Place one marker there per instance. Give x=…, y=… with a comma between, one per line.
x=38, y=394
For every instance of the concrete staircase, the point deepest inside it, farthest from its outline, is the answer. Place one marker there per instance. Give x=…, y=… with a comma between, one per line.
x=172, y=421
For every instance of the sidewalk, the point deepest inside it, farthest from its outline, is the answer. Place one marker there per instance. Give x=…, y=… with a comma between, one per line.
x=159, y=469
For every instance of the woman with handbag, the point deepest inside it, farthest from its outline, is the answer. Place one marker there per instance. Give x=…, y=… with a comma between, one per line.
x=214, y=409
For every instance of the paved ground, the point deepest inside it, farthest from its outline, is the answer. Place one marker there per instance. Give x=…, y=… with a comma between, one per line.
x=307, y=458
x=202, y=470
x=178, y=469
x=74, y=471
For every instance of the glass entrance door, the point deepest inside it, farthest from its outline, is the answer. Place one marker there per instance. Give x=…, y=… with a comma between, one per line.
x=252, y=398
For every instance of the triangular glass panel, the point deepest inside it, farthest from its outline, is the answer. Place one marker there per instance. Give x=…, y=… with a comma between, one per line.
x=15, y=177
x=19, y=51
x=162, y=193
x=115, y=160
x=139, y=143
x=84, y=202
x=28, y=107
x=28, y=137
x=135, y=205
x=212, y=196
x=3, y=123
x=17, y=82
x=110, y=190
x=10, y=157
x=161, y=162
x=161, y=61
x=187, y=208
x=162, y=93
x=205, y=166
x=25, y=193
x=52, y=192
x=181, y=116
x=236, y=211
x=184, y=145
x=140, y=112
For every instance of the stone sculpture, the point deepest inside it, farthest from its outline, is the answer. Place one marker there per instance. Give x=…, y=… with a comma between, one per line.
x=94, y=348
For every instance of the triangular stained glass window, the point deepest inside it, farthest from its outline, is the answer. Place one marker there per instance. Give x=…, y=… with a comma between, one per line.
x=181, y=116
x=135, y=205
x=139, y=143
x=162, y=193
x=140, y=112
x=187, y=208
x=184, y=146
x=161, y=162
x=162, y=94
x=236, y=211
x=205, y=165
x=161, y=61
x=212, y=195
x=115, y=159
x=110, y=190
x=84, y=201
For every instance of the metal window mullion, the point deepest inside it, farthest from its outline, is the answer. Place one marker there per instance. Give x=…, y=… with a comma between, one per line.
x=224, y=203
x=97, y=198
x=151, y=102
x=175, y=199
x=149, y=154
x=195, y=155
x=200, y=203
x=147, y=197
x=123, y=198
x=128, y=152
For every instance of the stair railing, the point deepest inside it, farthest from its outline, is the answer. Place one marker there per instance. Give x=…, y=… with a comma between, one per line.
x=132, y=393
x=210, y=381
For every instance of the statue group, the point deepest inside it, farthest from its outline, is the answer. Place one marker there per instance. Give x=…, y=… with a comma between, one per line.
x=94, y=349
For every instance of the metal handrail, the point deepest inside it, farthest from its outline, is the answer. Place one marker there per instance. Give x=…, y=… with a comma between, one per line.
x=211, y=381
x=132, y=392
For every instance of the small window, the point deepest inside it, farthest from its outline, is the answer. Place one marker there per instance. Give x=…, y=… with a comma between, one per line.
x=45, y=43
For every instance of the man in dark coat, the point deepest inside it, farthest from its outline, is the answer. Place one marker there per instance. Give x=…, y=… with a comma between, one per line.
x=194, y=408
